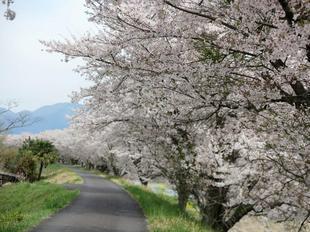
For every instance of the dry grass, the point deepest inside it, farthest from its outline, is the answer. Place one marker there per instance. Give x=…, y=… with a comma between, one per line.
x=59, y=174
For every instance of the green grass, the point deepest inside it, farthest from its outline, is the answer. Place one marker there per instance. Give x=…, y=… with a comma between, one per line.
x=162, y=211
x=25, y=205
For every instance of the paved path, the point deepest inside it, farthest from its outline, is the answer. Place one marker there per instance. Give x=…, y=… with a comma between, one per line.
x=101, y=207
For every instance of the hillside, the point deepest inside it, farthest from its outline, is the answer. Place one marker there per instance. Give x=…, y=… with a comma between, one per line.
x=49, y=117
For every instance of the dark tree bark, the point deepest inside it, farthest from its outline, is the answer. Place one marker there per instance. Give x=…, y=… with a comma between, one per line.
x=183, y=196
x=40, y=170
x=214, y=212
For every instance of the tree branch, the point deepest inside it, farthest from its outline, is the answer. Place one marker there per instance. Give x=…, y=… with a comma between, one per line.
x=213, y=19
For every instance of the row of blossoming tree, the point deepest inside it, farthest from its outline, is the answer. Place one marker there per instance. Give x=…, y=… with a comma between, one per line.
x=213, y=95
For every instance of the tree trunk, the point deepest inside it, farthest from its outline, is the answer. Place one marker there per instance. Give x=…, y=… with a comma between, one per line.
x=213, y=210
x=213, y=215
x=182, y=201
x=183, y=196
x=41, y=169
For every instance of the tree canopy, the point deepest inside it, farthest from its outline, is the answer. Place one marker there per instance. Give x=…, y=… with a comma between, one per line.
x=43, y=151
x=212, y=94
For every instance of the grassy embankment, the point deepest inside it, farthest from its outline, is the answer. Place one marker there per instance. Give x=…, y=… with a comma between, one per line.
x=24, y=205
x=162, y=211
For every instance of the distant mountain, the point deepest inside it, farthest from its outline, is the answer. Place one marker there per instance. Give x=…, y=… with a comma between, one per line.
x=45, y=118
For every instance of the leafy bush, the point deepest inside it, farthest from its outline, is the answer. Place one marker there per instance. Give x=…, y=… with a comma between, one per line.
x=17, y=162
x=8, y=157
x=43, y=151
x=23, y=161
x=26, y=165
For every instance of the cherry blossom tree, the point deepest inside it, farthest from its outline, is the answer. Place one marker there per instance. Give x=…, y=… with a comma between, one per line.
x=214, y=93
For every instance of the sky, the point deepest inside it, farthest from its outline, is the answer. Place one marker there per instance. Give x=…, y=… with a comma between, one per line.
x=29, y=75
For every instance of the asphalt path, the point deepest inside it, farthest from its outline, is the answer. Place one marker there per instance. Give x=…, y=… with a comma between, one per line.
x=102, y=206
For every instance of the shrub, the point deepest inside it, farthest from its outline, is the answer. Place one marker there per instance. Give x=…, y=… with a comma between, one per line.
x=43, y=151
x=8, y=158
x=17, y=162
x=26, y=165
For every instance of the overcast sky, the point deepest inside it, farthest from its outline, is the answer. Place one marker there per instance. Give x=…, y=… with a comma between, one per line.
x=28, y=75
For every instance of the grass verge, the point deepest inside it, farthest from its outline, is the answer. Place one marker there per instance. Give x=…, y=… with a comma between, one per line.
x=59, y=174
x=24, y=205
x=162, y=211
